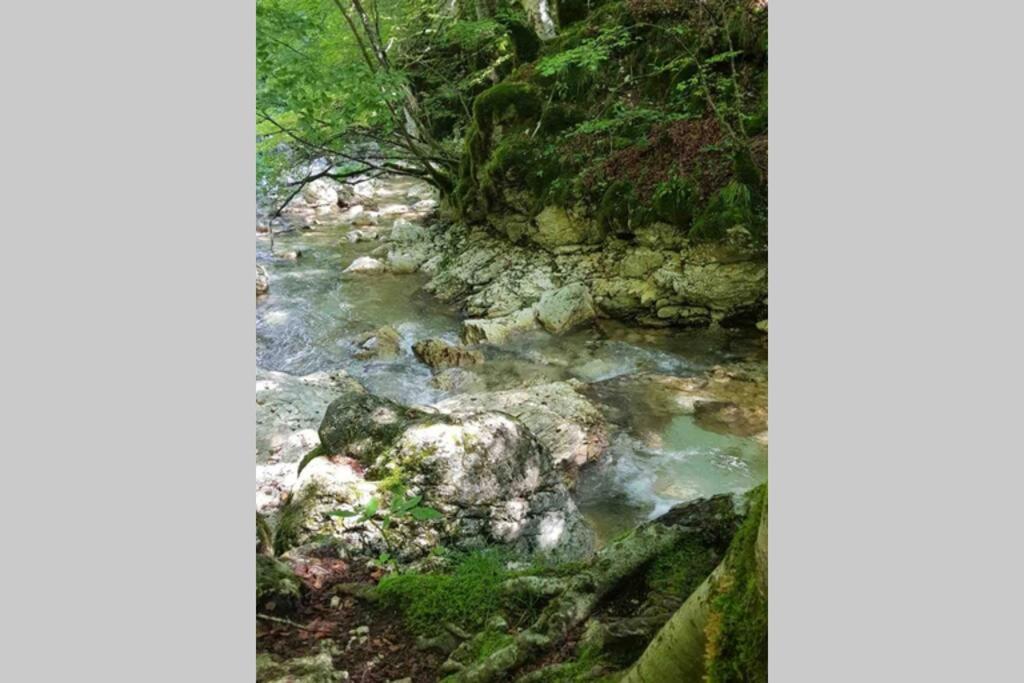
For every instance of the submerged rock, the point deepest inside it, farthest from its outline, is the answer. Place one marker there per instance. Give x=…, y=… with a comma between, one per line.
x=458, y=381
x=402, y=262
x=366, y=265
x=497, y=330
x=439, y=354
x=384, y=343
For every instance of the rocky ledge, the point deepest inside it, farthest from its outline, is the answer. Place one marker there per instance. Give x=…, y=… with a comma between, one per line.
x=656, y=280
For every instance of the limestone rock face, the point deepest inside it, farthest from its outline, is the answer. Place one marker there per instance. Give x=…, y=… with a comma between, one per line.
x=321, y=192
x=563, y=309
x=656, y=280
x=404, y=231
x=557, y=227
x=494, y=484
x=439, y=354
x=568, y=425
x=366, y=265
x=317, y=668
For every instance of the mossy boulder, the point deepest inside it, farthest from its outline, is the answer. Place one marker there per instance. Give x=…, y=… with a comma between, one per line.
x=360, y=424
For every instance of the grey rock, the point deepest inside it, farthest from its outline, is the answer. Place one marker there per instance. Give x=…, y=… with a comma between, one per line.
x=439, y=354
x=563, y=309
x=383, y=343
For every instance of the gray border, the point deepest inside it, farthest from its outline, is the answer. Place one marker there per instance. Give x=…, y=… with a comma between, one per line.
x=128, y=341
x=894, y=165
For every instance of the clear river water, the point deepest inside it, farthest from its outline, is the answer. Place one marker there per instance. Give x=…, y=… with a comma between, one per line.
x=312, y=317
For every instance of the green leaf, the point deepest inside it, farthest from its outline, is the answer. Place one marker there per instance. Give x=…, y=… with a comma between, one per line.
x=370, y=510
x=423, y=514
x=407, y=504
x=343, y=513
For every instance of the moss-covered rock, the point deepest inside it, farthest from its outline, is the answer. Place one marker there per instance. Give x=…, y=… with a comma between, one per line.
x=317, y=668
x=361, y=425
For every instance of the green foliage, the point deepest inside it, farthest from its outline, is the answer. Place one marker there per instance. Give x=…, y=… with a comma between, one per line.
x=590, y=55
x=401, y=507
x=730, y=206
x=738, y=627
x=674, y=201
x=618, y=206
x=466, y=596
x=264, y=535
x=275, y=580
x=292, y=516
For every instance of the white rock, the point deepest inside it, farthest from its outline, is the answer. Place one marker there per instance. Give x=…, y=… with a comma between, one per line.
x=366, y=265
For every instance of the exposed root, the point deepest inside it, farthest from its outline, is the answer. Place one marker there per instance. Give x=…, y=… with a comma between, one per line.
x=572, y=600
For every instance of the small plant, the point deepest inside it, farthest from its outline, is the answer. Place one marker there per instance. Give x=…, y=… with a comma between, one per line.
x=401, y=508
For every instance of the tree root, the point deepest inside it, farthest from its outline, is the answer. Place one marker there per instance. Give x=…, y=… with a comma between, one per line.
x=573, y=599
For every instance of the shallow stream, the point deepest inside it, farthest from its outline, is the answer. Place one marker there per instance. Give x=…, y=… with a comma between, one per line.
x=312, y=317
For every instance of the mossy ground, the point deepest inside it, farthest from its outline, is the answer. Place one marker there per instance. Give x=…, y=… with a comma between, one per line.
x=467, y=595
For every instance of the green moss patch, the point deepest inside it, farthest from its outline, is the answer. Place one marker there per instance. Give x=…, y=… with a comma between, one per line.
x=737, y=631
x=467, y=596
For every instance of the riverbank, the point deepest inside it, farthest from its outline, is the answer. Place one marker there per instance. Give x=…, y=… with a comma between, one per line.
x=597, y=424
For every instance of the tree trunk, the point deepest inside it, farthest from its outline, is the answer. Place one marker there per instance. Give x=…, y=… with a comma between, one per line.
x=680, y=653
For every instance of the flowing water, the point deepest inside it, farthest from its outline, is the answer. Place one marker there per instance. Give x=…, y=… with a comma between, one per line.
x=313, y=316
